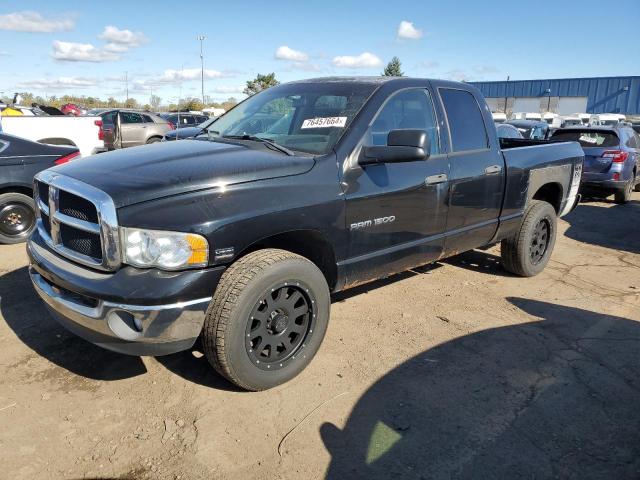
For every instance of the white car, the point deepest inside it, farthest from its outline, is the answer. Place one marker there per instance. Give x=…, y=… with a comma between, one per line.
x=526, y=116
x=607, y=119
x=83, y=132
x=499, y=117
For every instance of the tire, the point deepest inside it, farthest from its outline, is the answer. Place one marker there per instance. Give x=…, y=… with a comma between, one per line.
x=523, y=253
x=251, y=315
x=623, y=196
x=17, y=217
x=153, y=140
x=637, y=187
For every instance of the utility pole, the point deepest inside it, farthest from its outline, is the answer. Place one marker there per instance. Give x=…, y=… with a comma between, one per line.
x=126, y=87
x=201, y=38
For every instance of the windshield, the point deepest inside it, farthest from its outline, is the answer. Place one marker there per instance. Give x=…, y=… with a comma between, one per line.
x=588, y=138
x=305, y=117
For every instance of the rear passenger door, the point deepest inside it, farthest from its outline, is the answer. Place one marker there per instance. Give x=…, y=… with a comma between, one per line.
x=476, y=178
x=132, y=129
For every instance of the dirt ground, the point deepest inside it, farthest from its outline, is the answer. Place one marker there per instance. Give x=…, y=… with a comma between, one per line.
x=456, y=370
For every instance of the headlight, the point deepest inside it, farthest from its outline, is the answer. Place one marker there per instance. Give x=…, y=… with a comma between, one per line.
x=162, y=249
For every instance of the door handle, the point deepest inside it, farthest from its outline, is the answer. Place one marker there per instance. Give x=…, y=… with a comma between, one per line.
x=493, y=169
x=435, y=179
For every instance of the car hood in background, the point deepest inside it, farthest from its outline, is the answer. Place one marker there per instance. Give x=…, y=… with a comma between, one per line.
x=184, y=132
x=149, y=172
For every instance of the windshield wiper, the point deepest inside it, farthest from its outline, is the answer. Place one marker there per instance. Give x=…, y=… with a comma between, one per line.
x=267, y=142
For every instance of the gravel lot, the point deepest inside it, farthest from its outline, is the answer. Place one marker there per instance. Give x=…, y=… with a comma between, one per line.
x=456, y=370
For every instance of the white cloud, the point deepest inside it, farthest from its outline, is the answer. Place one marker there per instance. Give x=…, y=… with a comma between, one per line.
x=485, y=69
x=286, y=53
x=174, y=76
x=457, y=74
x=81, y=52
x=364, y=60
x=123, y=39
x=60, y=83
x=407, y=30
x=28, y=21
x=4, y=53
x=428, y=64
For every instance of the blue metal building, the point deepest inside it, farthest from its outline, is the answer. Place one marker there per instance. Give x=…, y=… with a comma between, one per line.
x=568, y=95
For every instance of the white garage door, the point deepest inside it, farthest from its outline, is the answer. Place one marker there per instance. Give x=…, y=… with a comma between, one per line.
x=526, y=104
x=568, y=105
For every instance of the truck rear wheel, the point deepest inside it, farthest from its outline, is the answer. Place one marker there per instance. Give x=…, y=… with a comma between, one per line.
x=527, y=252
x=267, y=319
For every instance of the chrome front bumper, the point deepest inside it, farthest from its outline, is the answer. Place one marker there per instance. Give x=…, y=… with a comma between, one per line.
x=131, y=329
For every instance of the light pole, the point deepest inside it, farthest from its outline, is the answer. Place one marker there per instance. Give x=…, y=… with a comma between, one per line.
x=202, y=38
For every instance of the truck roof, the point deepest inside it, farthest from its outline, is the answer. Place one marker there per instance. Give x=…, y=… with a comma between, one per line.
x=379, y=80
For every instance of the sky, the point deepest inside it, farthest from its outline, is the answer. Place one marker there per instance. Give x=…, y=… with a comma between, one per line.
x=81, y=47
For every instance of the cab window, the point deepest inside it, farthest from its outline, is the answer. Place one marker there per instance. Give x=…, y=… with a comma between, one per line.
x=407, y=109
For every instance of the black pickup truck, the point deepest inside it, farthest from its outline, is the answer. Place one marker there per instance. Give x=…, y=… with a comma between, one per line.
x=240, y=235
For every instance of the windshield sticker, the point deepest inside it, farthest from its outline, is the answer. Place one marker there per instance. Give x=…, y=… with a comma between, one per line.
x=324, y=122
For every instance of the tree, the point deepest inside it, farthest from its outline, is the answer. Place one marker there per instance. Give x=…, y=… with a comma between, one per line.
x=155, y=101
x=393, y=68
x=131, y=103
x=260, y=83
x=229, y=104
x=194, y=104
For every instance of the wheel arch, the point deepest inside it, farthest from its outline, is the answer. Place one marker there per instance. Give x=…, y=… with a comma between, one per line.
x=311, y=244
x=551, y=193
x=25, y=190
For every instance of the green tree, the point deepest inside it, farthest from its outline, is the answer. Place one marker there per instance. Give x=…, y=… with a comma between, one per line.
x=194, y=104
x=131, y=103
x=155, y=101
x=260, y=83
x=393, y=68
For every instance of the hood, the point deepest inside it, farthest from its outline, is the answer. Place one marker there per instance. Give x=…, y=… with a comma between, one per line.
x=184, y=132
x=149, y=172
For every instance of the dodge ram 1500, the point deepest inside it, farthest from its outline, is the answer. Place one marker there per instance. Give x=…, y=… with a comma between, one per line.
x=239, y=236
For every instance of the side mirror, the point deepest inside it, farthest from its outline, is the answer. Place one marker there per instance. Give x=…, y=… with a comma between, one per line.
x=403, y=145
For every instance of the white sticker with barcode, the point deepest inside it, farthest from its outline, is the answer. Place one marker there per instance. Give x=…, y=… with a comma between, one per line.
x=324, y=122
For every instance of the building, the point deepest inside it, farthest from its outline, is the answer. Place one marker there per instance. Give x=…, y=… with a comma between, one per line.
x=564, y=95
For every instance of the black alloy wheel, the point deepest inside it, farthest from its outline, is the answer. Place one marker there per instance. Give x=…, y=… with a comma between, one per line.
x=539, y=241
x=279, y=325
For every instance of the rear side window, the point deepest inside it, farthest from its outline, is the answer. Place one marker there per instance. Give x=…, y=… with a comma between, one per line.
x=466, y=124
x=588, y=138
x=148, y=119
x=130, y=117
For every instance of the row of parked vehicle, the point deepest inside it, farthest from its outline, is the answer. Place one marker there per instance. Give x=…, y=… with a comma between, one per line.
x=612, y=152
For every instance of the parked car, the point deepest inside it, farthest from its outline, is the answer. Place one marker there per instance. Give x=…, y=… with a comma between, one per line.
x=531, y=129
x=240, y=239
x=499, y=117
x=187, y=132
x=611, y=159
x=86, y=133
x=213, y=112
x=535, y=116
x=184, y=120
x=506, y=130
x=129, y=128
x=96, y=112
x=72, y=109
x=20, y=160
x=606, y=119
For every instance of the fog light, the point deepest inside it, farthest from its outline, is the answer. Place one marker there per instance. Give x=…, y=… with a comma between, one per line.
x=616, y=176
x=124, y=324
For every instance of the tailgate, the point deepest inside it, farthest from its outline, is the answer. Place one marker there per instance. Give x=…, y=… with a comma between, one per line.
x=594, y=162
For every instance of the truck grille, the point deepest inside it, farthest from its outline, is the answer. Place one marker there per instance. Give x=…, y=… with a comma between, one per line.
x=77, y=220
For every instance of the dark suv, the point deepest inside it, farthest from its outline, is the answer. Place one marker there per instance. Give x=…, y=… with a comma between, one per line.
x=182, y=120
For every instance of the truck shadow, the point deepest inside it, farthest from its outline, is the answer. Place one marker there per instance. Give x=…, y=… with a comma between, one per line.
x=616, y=227
x=555, y=398
x=25, y=314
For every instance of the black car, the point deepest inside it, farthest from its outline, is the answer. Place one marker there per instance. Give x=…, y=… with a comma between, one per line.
x=531, y=129
x=20, y=160
x=184, y=120
x=506, y=130
x=188, y=132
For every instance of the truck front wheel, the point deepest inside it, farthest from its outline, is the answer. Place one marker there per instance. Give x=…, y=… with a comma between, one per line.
x=267, y=319
x=527, y=252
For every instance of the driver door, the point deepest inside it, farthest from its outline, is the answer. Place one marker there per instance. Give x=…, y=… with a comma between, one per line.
x=396, y=212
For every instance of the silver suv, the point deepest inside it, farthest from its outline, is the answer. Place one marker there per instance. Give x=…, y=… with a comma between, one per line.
x=129, y=128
